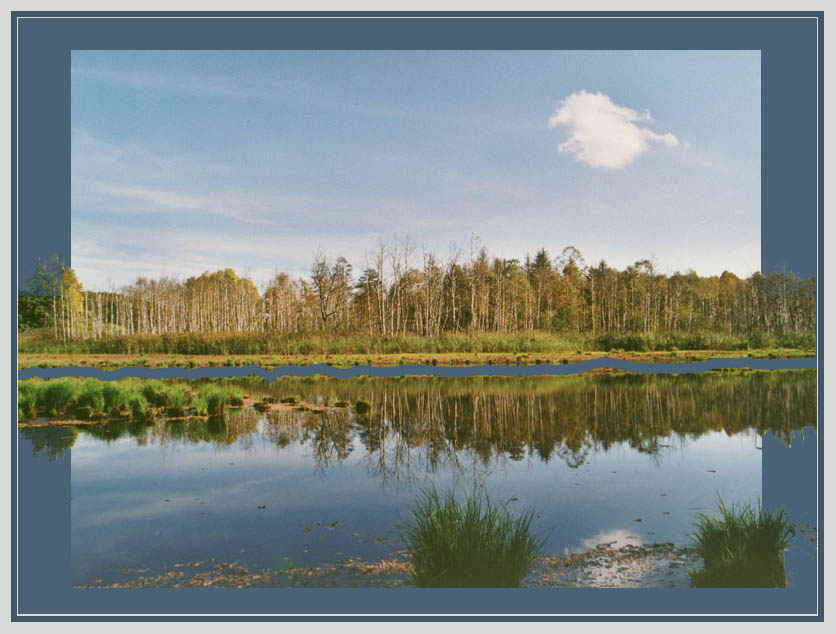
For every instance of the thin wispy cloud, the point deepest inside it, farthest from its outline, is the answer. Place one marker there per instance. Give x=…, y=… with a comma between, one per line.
x=203, y=84
x=120, y=178
x=289, y=92
x=192, y=161
x=604, y=134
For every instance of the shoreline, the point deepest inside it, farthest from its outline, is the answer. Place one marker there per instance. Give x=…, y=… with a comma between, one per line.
x=72, y=414
x=658, y=565
x=447, y=359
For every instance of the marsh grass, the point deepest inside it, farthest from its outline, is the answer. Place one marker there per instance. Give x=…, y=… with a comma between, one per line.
x=142, y=399
x=140, y=408
x=156, y=392
x=212, y=399
x=91, y=396
x=472, y=543
x=322, y=344
x=200, y=404
x=26, y=401
x=55, y=397
x=117, y=397
x=742, y=547
x=176, y=400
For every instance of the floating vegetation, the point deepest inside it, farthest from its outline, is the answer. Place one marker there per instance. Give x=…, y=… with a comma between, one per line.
x=646, y=566
x=661, y=565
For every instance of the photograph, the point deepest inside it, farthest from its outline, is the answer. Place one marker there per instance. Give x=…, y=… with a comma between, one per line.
x=416, y=317
x=490, y=211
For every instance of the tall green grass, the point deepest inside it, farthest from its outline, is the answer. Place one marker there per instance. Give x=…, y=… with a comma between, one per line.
x=212, y=399
x=140, y=409
x=27, y=400
x=742, y=546
x=92, y=396
x=139, y=398
x=473, y=543
x=55, y=397
x=322, y=344
x=176, y=400
x=671, y=341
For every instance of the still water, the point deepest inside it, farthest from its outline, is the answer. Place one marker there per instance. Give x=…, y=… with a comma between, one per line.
x=626, y=459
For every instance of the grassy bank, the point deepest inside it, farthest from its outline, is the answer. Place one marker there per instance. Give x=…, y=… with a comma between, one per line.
x=139, y=399
x=320, y=345
x=113, y=361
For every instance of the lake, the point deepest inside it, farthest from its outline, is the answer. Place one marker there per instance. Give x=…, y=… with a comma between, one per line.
x=620, y=459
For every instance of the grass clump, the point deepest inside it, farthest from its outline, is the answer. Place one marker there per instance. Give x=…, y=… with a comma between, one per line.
x=117, y=397
x=141, y=410
x=213, y=398
x=742, y=547
x=92, y=398
x=26, y=401
x=155, y=392
x=473, y=543
x=57, y=395
x=176, y=400
x=199, y=404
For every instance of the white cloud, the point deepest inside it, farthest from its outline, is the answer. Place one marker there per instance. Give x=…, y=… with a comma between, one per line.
x=604, y=134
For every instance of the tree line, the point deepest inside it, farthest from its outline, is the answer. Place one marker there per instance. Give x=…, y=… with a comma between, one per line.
x=400, y=291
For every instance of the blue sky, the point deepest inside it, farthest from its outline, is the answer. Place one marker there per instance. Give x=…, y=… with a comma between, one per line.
x=187, y=161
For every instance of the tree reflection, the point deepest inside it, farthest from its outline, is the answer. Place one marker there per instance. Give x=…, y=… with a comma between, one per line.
x=51, y=441
x=417, y=425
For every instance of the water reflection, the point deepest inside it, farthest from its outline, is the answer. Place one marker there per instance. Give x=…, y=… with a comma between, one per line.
x=426, y=423
x=616, y=538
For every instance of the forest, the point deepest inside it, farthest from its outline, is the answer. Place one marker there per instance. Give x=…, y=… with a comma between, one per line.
x=403, y=293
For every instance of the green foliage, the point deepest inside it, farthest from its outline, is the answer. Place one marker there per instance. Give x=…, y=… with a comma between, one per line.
x=156, y=392
x=116, y=397
x=26, y=400
x=235, y=396
x=33, y=312
x=139, y=407
x=213, y=398
x=176, y=399
x=741, y=547
x=57, y=395
x=216, y=400
x=35, y=297
x=313, y=344
x=52, y=440
x=92, y=396
x=469, y=544
x=199, y=404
